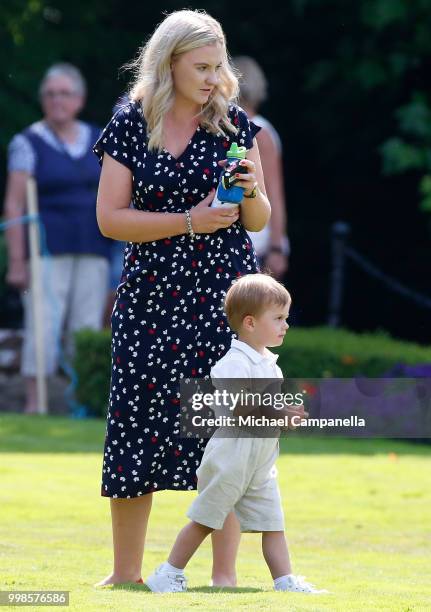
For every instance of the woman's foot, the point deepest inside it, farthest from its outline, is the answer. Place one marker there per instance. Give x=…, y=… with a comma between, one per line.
x=113, y=579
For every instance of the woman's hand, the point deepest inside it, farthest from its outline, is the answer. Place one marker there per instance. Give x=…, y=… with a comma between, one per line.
x=17, y=274
x=247, y=181
x=206, y=220
x=277, y=263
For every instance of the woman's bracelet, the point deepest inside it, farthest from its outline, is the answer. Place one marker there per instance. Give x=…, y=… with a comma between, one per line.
x=253, y=192
x=189, y=225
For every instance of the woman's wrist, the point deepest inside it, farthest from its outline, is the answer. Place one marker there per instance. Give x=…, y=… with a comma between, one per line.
x=252, y=193
x=189, y=227
x=281, y=246
x=251, y=198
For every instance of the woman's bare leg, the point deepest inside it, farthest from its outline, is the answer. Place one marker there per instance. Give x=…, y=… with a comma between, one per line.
x=225, y=544
x=129, y=527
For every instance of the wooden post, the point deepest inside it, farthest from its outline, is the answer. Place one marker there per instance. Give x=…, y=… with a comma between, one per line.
x=340, y=232
x=36, y=282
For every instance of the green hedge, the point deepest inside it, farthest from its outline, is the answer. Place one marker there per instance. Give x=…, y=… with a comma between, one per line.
x=93, y=368
x=306, y=353
x=321, y=352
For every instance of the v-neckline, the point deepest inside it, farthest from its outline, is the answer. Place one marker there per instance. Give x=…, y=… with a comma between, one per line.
x=176, y=159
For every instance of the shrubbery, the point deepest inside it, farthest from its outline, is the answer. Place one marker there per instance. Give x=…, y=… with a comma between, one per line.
x=306, y=353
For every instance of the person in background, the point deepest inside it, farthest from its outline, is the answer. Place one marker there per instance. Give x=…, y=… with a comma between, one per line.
x=271, y=244
x=57, y=152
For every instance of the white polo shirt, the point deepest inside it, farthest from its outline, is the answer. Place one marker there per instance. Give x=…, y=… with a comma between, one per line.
x=243, y=361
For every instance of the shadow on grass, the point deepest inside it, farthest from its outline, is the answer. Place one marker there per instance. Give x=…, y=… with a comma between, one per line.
x=21, y=433
x=221, y=590
x=203, y=589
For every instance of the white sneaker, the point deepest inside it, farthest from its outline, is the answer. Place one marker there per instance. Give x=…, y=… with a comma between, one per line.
x=297, y=584
x=162, y=581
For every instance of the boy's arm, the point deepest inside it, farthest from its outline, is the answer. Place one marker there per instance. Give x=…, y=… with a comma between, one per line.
x=279, y=413
x=289, y=411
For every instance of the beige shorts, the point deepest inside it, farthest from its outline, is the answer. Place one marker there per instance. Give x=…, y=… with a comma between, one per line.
x=74, y=289
x=239, y=474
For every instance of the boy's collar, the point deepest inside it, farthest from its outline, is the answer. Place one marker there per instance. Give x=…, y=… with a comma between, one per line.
x=254, y=355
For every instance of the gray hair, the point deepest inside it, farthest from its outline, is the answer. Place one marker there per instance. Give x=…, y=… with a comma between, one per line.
x=68, y=70
x=252, y=82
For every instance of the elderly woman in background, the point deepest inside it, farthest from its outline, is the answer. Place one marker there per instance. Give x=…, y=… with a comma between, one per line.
x=57, y=152
x=271, y=244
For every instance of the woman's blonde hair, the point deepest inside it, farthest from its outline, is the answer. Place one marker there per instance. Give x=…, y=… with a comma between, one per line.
x=179, y=32
x=252, y=294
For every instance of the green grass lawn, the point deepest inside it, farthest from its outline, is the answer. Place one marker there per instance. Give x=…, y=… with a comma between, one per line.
x=357, y=517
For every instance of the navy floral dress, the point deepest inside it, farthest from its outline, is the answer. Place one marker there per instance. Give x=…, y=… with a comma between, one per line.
x=167, y=322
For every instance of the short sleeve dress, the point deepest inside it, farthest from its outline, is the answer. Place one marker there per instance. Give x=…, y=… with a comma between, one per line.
x=167, y=322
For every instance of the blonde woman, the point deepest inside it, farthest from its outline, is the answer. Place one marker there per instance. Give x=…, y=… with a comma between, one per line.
x=163, y=150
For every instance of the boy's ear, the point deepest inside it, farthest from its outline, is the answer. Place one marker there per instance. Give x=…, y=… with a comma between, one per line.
x=248, y=321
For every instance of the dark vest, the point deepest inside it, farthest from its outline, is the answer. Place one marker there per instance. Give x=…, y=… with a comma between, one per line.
x=67, y=190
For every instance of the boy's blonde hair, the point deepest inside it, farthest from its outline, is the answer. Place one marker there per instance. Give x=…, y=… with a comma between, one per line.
x=252, y=294
x=179, y=32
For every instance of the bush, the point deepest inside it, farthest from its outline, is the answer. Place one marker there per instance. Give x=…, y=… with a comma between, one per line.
x=322, y=352
x=318, y=352
x=93, y=368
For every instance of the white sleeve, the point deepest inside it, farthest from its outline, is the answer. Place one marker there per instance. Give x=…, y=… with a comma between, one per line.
x=231, y=368
x=21, y=156
x=224, y=373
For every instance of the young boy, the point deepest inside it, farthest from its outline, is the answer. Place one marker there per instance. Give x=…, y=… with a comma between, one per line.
x=237, y=471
